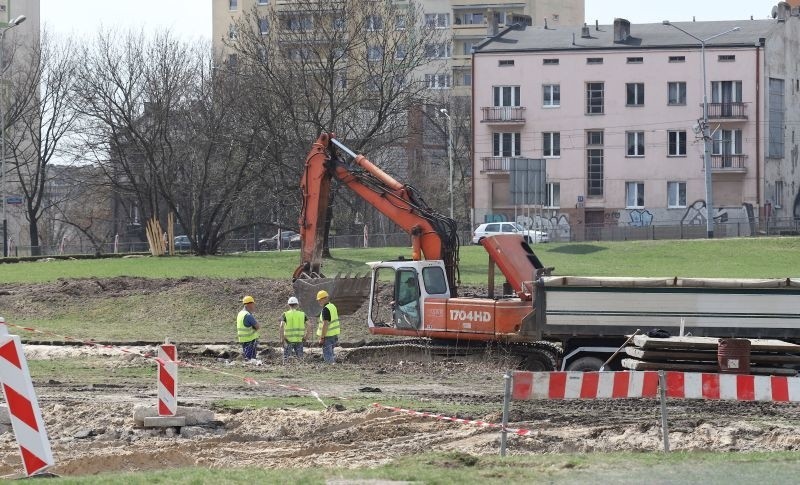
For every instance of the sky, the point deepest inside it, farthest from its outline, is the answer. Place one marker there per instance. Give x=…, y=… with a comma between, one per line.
x=191, y=19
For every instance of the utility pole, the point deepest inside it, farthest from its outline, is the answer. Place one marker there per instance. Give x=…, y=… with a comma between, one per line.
x=706, y=129
x=449, y=155
x=3, y=108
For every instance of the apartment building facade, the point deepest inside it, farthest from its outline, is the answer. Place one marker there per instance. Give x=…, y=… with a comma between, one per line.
x=613, y=111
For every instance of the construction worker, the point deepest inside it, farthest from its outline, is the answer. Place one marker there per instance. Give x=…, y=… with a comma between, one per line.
x=247, y=329
x=293, y=330
x=328, y=328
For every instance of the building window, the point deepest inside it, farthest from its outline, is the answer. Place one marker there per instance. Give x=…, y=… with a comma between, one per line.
x=553, y=195
x=676, y=194
x=778, y=194
x=341, y=80
x=726, y=142
x=400, y=52
x=467, y=79
x=339, y=24
x=437, y=20
x=635, y=143
x=551, y=144
x=777, y=109
x=594, y=60
x=677, y=143
x=726, y=58
x=437, y=81
x=677, y=58
x=634, y=195
x=594, y=163
x=468, y=45
x=233, y=4
x=594, y=98
x=635, y=60
x=506, y=144
x=726, y=92
x=439, y=50
x=676, y=93
x=263, y=2
x=298, y=23
x=470, y=19
x=232, y=32
x=550, y=62
x=374, y=53
x=506, y=95
x=505, y=63
x=374, y=83
x=374, y=23
x=552, y=95
x=263, y=26
x=400, y=22
x=635, y=94
x=232, y=62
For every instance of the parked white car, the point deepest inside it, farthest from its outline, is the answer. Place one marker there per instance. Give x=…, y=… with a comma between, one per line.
x=494, y=228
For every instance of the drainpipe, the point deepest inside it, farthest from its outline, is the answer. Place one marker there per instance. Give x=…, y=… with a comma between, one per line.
x=758, y=127
x=472, y=146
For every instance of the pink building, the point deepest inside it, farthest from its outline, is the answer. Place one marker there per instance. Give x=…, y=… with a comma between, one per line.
x=614, y=111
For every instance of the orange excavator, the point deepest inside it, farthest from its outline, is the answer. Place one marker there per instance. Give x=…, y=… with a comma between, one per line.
x=416, y=297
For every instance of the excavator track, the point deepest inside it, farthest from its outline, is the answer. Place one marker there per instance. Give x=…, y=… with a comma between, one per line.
x=534, y=356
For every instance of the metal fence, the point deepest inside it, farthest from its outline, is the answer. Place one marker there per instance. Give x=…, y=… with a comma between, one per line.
x=560, y=233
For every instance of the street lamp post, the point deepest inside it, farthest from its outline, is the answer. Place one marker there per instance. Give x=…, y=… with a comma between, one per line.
x=706, y=128
x=14, y=22
x=449, y=155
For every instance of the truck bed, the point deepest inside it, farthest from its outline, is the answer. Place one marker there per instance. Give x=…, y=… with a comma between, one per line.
x=569, y=306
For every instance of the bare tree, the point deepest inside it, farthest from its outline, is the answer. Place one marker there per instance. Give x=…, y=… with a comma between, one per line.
x=42, y=118
x=353, y=67
x=169, y=135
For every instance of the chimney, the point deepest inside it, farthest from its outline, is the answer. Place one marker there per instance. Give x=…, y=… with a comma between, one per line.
x=491, y=23
x=585, y=32
x=622, y=30
x=782, y=11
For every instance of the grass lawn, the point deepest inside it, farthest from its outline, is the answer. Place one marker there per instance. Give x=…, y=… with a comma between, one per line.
x=460, y=468
x=742, y=257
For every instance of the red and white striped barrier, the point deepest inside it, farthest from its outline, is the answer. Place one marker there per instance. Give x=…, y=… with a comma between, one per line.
x=638, y=384
x=23, y=407
x=167, y=380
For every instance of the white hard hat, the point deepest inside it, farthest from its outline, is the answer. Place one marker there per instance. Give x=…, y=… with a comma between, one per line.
x=292, y=301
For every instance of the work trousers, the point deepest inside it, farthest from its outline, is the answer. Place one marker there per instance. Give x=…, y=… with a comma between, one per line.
x=293, y=349
x=249, y=349
x=327, y=348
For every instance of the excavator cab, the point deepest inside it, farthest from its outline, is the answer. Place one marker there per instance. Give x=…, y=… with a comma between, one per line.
x=399, y=290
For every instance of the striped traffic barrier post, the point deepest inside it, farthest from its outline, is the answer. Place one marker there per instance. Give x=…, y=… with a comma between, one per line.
x=167, y=380
x=23, y=407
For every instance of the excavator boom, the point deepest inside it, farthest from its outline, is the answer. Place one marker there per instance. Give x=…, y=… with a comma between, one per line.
x=433, y=235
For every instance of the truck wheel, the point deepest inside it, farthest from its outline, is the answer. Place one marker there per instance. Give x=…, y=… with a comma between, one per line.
x=585, y=364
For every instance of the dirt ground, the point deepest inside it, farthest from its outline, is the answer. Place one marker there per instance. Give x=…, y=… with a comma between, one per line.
x=92, y=430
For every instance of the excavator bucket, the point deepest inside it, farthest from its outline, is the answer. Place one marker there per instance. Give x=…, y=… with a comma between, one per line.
x=347, y=292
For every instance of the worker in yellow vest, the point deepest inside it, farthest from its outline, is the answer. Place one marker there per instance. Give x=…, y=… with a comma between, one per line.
x=328, y=328
x=294, y=331
x=247, y=329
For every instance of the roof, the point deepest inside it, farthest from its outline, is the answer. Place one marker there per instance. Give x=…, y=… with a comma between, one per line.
x=644, y=36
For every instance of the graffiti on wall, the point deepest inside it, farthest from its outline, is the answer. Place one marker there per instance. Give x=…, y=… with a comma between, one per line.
x=556, y=226
x=640, y=218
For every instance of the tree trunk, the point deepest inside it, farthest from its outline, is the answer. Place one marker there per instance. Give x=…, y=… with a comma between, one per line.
x=33, y=232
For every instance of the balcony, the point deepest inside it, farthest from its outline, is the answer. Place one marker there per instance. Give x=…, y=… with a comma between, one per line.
x=503, y=114
x=727, y=111
x=728, y=163
x=497, y=165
